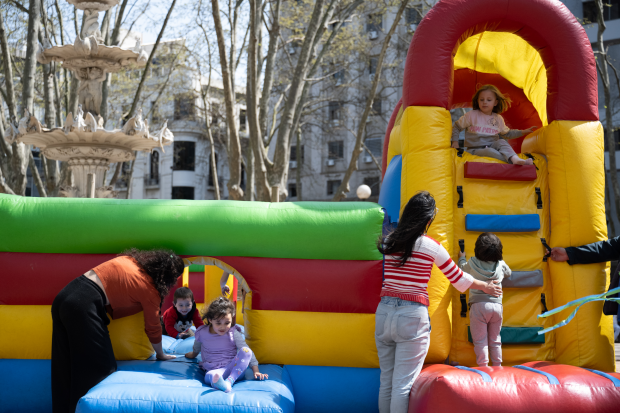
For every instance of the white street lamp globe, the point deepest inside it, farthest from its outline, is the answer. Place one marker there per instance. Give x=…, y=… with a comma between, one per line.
x=363, y=192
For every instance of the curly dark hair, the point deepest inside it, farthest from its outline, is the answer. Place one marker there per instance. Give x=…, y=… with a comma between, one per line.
x=417, y=217
x=488, y=247
x=219, y=308
x=162, y=265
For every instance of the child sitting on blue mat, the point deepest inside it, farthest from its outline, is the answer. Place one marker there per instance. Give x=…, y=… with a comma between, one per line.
x=486, y=311
x=178, y=319
x=225, y=355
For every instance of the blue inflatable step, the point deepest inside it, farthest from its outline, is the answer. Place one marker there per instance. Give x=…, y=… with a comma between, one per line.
x=502, y=223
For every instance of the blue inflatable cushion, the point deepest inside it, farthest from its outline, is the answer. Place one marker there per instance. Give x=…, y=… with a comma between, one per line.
x=502, y=223
x=163, y=387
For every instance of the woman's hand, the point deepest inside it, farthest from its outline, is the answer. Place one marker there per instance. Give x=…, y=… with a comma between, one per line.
x=455, y=144
x=558, y=254
x=190, y=355
x=165, y=357
x=160, y=352
x=493, y=289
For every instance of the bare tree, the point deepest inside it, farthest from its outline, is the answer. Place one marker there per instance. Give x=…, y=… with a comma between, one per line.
x=228, y=65
x=343, y=189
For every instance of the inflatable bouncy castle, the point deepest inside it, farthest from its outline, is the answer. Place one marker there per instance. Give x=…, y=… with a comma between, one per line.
x=312, y=273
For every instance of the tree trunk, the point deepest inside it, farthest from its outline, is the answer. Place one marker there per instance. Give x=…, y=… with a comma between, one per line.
x=286, y=120
x=361, y=129
x=8, y=70
x=105, y=87
x=234, y=151
x=30, y=63
x=263, y=189
x=609, y=129
x=300, y=163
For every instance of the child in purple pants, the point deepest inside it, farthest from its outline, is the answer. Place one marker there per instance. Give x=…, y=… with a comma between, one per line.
x=225, y=355
x=486, y=312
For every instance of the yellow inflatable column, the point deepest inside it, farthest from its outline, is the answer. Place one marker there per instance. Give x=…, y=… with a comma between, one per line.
x=428, y=166
x=574, y=150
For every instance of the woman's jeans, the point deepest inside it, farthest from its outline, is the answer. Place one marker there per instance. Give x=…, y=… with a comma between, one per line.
x=402, y=330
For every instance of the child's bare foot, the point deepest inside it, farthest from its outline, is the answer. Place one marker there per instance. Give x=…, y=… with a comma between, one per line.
x=518, y=161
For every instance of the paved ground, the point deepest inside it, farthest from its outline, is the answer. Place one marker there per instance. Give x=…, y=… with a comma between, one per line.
x=617, y=346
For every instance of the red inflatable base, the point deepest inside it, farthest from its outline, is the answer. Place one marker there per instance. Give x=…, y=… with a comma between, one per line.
x=536, y=387
x=500, y=171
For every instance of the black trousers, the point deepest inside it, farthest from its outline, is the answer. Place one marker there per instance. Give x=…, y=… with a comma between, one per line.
x=82, y=352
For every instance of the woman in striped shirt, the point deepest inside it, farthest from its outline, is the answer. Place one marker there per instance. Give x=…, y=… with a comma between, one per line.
x=402, y=324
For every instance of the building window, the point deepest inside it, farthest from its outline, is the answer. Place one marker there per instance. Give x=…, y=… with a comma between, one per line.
x=332, y=186
x=153, y=177
x=374, y=23
x=242, y=120
x=183, y=192
x=335, y=150
x=373, y=183
x=339, y=77
x=372, y=65
x=375, y=147
x=184, y=108
x=155, y=115
x=334, y=111
x=376, y=107
x=184, y=156
x=616, y=140
x=292, y=190
x=293, y=156
x=210, y=182
x=414, y=14
x=242, y=180
x=611, y=11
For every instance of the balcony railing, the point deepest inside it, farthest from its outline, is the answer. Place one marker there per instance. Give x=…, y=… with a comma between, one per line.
x=151, y=181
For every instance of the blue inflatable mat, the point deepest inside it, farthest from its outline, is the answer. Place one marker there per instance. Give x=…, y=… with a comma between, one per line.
x=158, y=387
x=145, y=386
x=502, y=223
x=334, y=389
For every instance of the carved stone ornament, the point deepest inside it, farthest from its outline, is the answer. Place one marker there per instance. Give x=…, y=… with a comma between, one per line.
x=99, y=5
x=110, y=59
x=105, y=192
x=66, y=153
x=69, y=192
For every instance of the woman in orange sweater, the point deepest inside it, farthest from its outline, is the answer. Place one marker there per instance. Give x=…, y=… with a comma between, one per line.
x=82, y=353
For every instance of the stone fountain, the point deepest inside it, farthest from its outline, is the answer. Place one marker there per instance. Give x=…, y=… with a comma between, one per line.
x=82, y=141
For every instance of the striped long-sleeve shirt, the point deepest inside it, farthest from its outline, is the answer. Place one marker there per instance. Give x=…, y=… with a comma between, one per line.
x=409, y=282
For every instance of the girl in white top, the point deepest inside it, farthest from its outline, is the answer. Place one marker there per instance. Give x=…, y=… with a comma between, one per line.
x=402, y=324
x=484, y=126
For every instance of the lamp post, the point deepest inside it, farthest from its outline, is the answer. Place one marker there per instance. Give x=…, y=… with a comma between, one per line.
x=363, y=192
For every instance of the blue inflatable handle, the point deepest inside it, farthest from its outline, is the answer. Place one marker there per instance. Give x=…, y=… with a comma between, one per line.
x=552, y=379
x=502, y=223
x=614, y=380
x=485, y=376
x=389, y=197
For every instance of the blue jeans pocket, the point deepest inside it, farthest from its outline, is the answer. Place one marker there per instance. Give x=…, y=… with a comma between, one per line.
x=407, y=326
x=380, y=324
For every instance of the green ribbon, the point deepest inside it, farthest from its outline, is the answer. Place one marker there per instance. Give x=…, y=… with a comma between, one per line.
x=578, y=302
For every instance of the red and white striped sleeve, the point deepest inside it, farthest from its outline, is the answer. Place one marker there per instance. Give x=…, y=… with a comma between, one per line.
x=459, y=279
